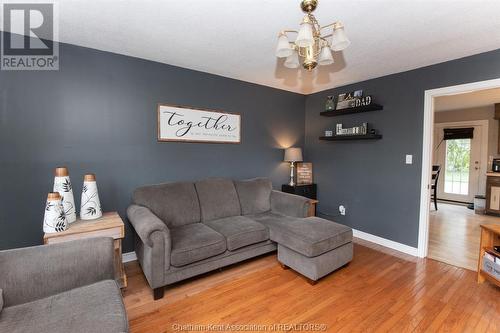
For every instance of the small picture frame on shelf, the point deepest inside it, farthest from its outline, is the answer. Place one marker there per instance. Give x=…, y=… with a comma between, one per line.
x=330, y=103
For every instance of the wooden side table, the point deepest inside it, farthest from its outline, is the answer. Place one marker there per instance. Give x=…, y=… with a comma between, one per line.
x=490, y=236
x=312, y=207
x=109, y=225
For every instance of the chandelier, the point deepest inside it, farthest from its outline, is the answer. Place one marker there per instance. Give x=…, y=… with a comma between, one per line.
x=310, y=45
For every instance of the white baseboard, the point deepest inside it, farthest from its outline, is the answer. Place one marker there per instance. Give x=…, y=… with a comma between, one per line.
x=129, y=256
x=385, y=242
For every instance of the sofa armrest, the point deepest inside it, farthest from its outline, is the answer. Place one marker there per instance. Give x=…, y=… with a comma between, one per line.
x=145, y=223
x=154, y=245
x=289, y=204
x=36, y=272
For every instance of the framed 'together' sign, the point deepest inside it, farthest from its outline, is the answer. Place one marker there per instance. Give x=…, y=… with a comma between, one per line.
x=188, y=124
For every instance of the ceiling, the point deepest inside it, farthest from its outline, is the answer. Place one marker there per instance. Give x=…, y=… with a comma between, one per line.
x=474, y=99
x=237, y=38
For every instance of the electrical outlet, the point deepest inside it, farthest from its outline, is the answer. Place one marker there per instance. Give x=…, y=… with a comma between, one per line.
x=409, y=159
x=342, y=210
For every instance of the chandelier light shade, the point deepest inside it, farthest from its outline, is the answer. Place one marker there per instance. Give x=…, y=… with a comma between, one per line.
x=283, y=49
x=305, y=37
x=292, y=61
x=339, y=39
x=325, y=57
x=313, y=43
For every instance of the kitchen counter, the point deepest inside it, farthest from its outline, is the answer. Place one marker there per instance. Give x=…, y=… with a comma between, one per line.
x=493, y=174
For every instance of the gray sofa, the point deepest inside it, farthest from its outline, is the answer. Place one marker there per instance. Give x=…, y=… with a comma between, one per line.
x=185, y=229
x=66, y=287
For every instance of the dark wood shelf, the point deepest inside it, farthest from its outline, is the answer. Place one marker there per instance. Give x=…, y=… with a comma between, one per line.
x=357, y=109
x=492, y=251
x=351, y=137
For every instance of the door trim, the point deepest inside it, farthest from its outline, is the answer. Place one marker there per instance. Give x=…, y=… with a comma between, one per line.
x=484, y=146
x=427, y=146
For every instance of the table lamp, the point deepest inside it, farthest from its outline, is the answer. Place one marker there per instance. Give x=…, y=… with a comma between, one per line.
x=292, y=155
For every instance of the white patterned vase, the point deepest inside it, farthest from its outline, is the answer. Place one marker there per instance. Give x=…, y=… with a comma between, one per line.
x=91, y=206
x=62, y=184
x=54, y=219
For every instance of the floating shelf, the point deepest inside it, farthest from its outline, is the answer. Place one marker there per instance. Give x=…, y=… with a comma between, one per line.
x=351, y=137
x=357, y=109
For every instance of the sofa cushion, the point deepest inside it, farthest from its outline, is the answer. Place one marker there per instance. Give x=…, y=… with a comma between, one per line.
x=194, y=242
x=309, y=236
x=268, y=218
x=218, y=198
x=254, y=195
x=175, y=204
x=93, y=308
x=239, y=231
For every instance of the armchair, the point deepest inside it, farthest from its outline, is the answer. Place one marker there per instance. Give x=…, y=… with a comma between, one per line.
x=66, y=287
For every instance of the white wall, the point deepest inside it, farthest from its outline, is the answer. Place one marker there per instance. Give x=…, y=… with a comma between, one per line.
x=479, y=113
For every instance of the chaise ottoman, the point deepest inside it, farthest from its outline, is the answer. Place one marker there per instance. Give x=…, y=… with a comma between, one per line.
x=312, y=246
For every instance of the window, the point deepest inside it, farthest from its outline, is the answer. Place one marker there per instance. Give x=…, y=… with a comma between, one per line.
x=456, y=179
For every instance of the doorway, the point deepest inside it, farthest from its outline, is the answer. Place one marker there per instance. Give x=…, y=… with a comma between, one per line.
x=462, y=156
x=430, y=141
x=460, y=149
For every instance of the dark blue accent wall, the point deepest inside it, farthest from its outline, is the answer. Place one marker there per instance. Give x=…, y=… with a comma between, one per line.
x=98, y=114
x=382, y=193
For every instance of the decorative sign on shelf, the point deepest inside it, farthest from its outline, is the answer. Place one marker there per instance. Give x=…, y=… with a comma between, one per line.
x=356, y=130
x=352, y=99
x=363, y=101
x=187, y=124
x=304, y=173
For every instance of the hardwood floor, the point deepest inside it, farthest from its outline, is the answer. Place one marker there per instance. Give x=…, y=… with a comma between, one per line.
x=454, y=235
x=381, y=290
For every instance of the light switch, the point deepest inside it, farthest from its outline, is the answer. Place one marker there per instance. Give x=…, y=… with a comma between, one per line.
x=409, y=159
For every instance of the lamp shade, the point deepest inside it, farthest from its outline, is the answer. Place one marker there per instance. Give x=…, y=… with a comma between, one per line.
x=305, y=37
x=283, y=49
x=339, y=39
x=325, y=57
x=293, y=155
x=292, y=61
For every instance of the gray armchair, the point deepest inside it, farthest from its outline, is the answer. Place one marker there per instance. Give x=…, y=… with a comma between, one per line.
x=66, y=287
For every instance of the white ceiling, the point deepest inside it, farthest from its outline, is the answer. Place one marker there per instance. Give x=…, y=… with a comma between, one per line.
x=237, y=38
x=474, y=99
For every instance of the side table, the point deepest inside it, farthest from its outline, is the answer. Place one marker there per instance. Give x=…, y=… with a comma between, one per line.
x=490, y=236
x=312, y=207
x=109, y=225
x=308, y=191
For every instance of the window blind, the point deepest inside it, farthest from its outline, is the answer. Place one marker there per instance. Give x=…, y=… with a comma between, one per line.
x=458, y=133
